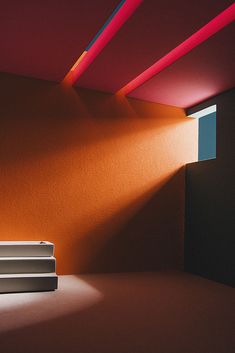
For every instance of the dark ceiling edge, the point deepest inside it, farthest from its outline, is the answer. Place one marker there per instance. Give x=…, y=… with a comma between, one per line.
x=77, y=88
x=151, y=102
x=23, y=77
x=128, y=97
x=125, y=97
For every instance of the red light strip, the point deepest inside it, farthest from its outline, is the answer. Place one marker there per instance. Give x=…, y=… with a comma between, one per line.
x=212, y=27
x=126, y=10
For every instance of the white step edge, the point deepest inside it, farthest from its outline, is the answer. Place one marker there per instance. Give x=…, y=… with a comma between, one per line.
x=26, y=248
x=27, y=264
x=11, y=283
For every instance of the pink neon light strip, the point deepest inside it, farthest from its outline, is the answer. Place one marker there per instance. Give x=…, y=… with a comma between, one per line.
x=110, y=30
x=212, y=27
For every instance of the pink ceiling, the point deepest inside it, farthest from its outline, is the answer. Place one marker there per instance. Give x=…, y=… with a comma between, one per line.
x=44, y=39
x=204, y=72
x=154, y=29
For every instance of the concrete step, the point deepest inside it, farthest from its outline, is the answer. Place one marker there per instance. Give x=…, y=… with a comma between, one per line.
x=27, y=264
x=26, y=248
x=28, y=282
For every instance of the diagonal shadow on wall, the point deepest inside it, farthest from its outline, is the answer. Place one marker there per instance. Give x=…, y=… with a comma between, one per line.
x=151, y=238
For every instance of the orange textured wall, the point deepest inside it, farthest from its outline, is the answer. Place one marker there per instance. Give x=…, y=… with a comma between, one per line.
x=99, y=176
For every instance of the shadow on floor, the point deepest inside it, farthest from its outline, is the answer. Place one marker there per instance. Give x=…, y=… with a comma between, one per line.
x=167, y=312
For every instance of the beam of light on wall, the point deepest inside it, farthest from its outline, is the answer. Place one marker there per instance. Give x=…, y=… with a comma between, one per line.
x=119, y=16
x=215, y=25
x=203, y=112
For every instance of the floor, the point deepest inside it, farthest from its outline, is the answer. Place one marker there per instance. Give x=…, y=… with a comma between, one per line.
x=165, y=312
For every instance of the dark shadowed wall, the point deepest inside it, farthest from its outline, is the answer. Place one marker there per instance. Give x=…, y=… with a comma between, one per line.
x=210, y=201
x=99, y=176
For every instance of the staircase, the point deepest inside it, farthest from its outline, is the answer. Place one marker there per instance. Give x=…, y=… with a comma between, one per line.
x=27, y=266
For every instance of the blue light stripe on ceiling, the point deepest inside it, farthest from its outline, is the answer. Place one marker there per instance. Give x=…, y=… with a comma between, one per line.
x=105, y=24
